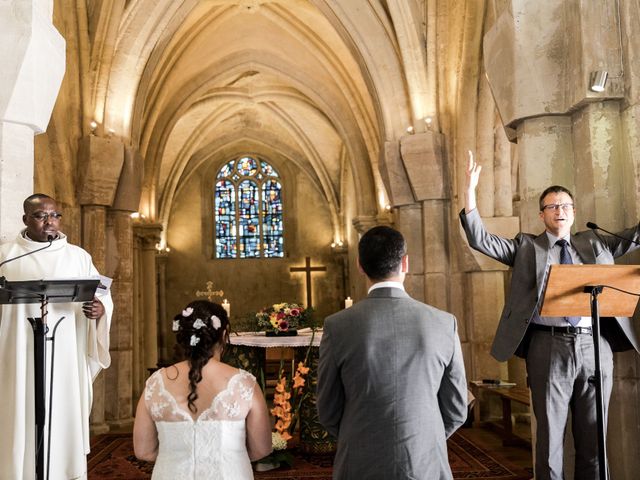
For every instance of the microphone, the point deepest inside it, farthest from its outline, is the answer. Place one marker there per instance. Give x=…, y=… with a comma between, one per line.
x=50, y=239
x=593, y=226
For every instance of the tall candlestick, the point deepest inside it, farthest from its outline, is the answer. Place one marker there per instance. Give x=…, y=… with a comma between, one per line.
x=227, y=306
x=348, y=302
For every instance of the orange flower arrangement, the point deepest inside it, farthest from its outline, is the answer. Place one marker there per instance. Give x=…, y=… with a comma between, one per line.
x=282, y=399
x=287, y=400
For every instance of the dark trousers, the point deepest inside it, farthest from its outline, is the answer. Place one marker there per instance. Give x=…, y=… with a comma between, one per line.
x=559, y=368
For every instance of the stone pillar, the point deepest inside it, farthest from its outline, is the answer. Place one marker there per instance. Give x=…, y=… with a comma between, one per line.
x=93, y=240
x=148, y=235
x=604, y=174
x=100, y=163
x=166, y=337
x=32, y=71
x=120, y=404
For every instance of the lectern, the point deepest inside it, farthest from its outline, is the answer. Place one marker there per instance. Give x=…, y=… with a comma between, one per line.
x=573, y=290
x=44, y=292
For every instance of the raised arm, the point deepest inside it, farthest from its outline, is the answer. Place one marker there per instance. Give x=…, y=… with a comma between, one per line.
x=473, y=174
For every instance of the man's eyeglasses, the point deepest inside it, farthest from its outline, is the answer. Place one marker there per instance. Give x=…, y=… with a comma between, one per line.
x=44, y=216
x=557, y=206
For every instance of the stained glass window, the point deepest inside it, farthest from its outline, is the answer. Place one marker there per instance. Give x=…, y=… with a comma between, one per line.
x=249, y=220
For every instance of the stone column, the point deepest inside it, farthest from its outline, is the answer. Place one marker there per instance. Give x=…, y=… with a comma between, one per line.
x=120, y=404
x=166, y=337
x=100, y=162
x=149, y=236
x=93, y=240
x=606, y=194
x=33, y=67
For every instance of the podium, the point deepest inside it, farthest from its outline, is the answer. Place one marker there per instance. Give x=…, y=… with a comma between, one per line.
x=44, y=292
x=573, y=290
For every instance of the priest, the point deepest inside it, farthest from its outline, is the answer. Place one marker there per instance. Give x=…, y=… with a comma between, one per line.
x=82, y=349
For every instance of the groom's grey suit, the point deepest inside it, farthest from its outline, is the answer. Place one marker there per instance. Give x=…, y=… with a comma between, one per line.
x=391, y=387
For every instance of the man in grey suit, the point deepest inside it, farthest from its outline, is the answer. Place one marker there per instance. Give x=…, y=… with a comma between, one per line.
x=559, y=351
x=391, y=381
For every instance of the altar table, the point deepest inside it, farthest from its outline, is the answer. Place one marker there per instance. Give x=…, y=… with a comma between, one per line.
x=247, y=351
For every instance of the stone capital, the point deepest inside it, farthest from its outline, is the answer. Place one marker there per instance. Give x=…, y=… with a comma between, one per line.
x=363, y=223
x=100, y=160
x=423, y=159
x=539, y=57
x=394, y=175
x=129, y=189
x=148, y=233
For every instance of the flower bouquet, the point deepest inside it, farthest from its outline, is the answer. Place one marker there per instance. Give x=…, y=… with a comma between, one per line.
x=282, y=319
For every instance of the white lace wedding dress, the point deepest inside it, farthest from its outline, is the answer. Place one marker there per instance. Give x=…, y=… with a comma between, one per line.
x=213, y=445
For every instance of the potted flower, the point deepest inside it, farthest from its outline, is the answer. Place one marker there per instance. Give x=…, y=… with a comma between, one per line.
x=282, y=319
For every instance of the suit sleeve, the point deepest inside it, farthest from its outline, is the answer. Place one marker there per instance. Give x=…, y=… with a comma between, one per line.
x=499, y=248
x=452, y=395
x=330, y=391
x=619, y=247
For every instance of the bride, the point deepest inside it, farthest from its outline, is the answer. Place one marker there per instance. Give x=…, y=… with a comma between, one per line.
x=201, y=418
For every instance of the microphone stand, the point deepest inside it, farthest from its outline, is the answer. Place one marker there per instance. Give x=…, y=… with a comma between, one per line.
x=594, y=291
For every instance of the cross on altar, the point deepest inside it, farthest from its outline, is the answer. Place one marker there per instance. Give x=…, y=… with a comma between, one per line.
x=308, y=269
x=209, y=293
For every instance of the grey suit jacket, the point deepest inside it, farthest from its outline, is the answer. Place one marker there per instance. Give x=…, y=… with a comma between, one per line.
x=391, y=387
x=528, y=255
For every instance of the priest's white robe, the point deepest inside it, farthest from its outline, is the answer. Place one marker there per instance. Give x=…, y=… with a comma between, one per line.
x=81, y=351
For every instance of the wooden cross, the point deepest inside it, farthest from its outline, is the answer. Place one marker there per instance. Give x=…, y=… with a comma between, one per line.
x=308, y=269
x=209, y=293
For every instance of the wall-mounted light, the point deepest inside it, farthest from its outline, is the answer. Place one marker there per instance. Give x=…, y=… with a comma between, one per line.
x=111, y=132
x=598, y=80
x=137, y=216
x=387, y=207
x=93, y=126
x=410, y=130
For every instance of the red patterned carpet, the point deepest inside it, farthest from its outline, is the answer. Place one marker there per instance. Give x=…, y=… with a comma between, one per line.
x=112, y=457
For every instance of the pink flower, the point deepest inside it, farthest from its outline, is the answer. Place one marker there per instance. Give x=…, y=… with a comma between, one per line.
x=283, y=325
x=294, y=312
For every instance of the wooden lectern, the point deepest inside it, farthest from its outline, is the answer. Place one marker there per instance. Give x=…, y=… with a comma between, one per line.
x=45, y=292
x=573, y=290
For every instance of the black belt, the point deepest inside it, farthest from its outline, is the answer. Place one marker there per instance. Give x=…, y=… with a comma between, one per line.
x=568, y=330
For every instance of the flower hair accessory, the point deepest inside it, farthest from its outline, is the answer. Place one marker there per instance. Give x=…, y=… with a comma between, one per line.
x=176, y=325
x=198, y=324
x=215, y=322
x=187, y=312
x=194, y=340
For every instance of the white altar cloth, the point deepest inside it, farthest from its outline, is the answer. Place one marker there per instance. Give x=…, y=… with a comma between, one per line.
x=259, y=339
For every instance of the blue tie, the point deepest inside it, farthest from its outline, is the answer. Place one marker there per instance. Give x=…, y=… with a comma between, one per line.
x=565, y=259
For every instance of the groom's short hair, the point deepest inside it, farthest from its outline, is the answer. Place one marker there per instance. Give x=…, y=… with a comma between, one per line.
x=380, y=252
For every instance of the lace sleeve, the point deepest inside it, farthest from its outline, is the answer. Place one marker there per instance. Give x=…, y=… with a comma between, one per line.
x=160, y=403
x=234, y=402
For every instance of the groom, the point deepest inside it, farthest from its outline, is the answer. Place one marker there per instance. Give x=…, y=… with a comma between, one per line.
x=391, y=381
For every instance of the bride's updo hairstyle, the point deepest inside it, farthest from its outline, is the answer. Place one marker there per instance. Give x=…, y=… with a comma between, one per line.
x=200, y=328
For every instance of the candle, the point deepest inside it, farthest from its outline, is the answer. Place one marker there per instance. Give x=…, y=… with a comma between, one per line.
x=348, y=302
x=227, y=306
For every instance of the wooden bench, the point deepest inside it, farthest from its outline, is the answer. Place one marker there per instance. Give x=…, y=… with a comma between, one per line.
x=507, y=395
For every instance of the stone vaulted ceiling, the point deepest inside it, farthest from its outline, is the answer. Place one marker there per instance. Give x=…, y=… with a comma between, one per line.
x=193, y=83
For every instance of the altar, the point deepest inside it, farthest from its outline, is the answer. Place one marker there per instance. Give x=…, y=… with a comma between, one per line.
x=247, y=350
